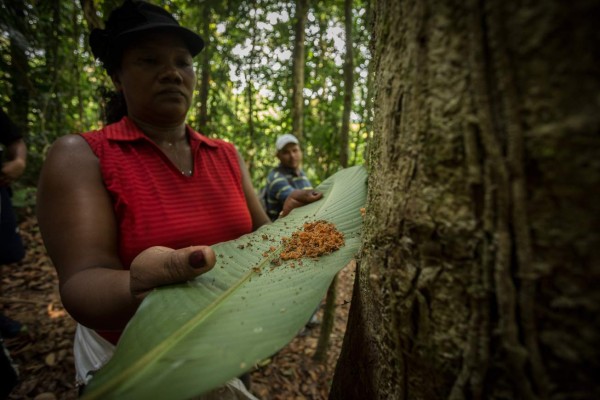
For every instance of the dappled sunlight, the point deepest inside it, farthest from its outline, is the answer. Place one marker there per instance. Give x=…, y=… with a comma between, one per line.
x=55, y=312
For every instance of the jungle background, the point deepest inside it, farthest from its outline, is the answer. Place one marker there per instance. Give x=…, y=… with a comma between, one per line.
x=478, y=120
x=257, y=78
x=50, y=84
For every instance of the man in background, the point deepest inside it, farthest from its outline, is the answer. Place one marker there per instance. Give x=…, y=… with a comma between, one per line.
x=284, y=180
x=287, y=177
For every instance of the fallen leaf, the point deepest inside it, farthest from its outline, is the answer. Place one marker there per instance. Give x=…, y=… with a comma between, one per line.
x=51, y=359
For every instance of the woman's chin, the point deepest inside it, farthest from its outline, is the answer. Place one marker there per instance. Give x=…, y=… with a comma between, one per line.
x=170, y=112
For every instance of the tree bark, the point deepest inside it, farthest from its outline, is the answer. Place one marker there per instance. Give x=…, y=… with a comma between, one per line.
x=327, y=322
x=249, y=78
x=478, y=273
x=348, y=85
x=90, y=15
x=22, y=88
x=298, y=70
x=329, y=311
x=205, y=73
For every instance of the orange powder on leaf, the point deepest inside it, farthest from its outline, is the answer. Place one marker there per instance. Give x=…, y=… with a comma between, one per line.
x=317, y=238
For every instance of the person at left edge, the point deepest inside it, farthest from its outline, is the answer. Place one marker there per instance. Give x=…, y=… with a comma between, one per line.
x=137, y=204
x=13, y=162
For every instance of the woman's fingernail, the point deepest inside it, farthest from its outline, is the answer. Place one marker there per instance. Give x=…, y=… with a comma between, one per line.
x=314, y=193
x=197, y=260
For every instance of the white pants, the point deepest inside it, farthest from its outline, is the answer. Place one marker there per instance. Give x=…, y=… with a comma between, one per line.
x=92, y=351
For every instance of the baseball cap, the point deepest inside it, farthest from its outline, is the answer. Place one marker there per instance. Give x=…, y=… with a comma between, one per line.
x=131, y=18
x=284, y=140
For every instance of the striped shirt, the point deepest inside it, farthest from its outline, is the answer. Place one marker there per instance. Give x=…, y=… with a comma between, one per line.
x=281, y=181
x=156, y=204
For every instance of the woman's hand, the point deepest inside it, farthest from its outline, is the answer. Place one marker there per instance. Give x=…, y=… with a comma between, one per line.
x=299, y=198
x=158, y=266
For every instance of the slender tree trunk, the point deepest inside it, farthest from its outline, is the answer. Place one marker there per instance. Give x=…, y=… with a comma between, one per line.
x=368, y=96
x=90, y=15
x=19, y=76
x=348, y=85
x=367, y=116
x=205, y=73
x=479, y=269
x=51, y=116
x=250, y=93
x=298, y=70
x=79, y=122
x=325, y=118
x=327, y=323
x=329, y=312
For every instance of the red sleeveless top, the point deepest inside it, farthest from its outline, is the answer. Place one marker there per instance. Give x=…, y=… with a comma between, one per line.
x=156, y=205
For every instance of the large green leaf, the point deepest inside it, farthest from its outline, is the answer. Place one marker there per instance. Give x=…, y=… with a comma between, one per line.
x=187, y=339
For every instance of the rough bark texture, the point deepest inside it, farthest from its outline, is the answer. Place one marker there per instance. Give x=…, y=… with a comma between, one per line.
x=479, y=268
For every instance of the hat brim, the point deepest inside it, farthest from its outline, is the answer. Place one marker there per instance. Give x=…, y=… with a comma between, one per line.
x=193, y=41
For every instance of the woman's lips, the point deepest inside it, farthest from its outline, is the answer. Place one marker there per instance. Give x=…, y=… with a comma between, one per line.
x=170, y=92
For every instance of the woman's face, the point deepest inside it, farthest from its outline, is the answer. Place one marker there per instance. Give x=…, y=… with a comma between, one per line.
x=157, y=78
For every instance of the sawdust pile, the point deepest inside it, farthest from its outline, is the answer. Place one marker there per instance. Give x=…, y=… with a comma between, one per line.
x=317, y=238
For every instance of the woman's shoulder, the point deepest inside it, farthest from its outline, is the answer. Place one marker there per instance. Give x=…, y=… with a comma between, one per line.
x=70, y=152
x=83, y=142
x=70, y=142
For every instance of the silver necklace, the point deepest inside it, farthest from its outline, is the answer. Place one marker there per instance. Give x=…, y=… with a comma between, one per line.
x=173, y=149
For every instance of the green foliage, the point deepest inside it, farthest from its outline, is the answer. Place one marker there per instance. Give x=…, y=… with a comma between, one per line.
x=23, y=197
x=58, y=90
x=189, y=338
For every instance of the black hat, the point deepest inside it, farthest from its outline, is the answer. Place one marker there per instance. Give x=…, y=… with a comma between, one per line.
x=133, y=17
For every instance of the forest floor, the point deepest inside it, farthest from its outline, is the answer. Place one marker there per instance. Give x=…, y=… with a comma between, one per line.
x=44, y=355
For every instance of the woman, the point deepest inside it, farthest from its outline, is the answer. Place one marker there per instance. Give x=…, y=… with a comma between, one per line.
x=136, y=204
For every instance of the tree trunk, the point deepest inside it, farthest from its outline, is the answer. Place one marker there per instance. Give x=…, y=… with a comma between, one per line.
x=348, y=85
x=479, y=268
x=89, y=14
x=329, y=312
x=205, y=73
x=327, y=323
x=19, y=79
x=51, y=115
x=249, y=77
x=298, y=70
